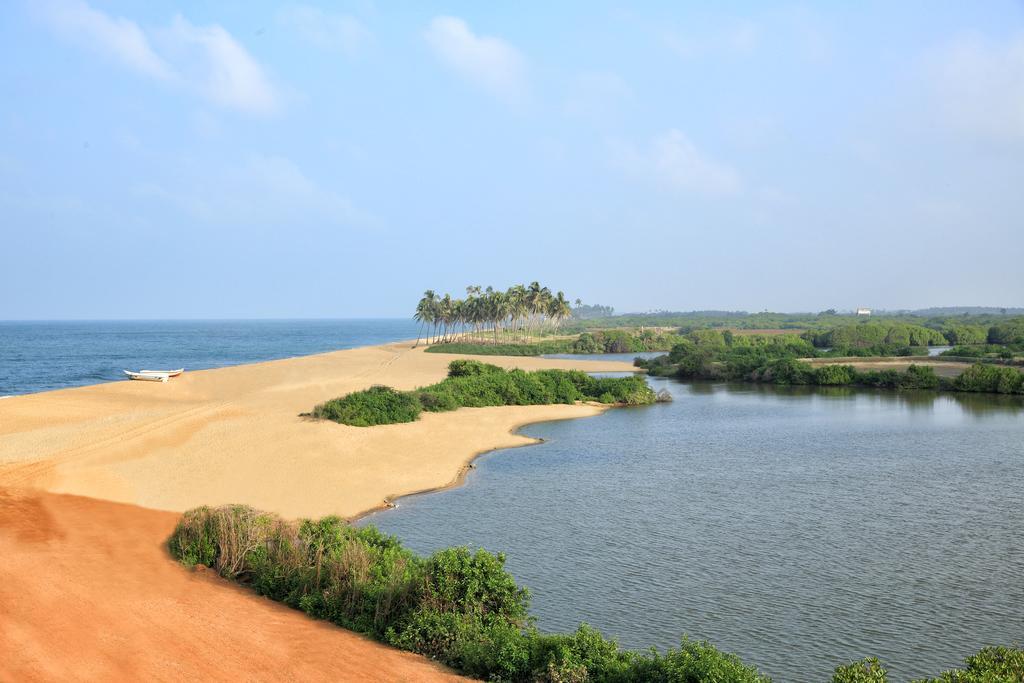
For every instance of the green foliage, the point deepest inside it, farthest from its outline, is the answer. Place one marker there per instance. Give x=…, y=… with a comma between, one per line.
x=531, y=349
x=873, y=335
x=914, y=377
x=1011, y=332
x=935, y=319
x=865, y=671
x=956, y=333
x=990, y=665
x=598, y=341
x=463, y=608
x=624, y=341
x=990, y=378
x=470, y=368
x=834, y=375
x=775, y=359
x=472, y=384
x=698, y=662
x=377, y=405
x=195, y=538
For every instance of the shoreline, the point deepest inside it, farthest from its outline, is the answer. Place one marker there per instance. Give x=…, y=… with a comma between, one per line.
x=391, y=501
x=219, y=435
x=94, y=478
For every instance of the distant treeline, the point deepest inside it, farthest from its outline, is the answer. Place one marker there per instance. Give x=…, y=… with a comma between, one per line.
x=599, y=341
x=583, y=311
x=873, y=338
x=463, y=608
x=695, y=320
x=775, y=359
x=868, y=334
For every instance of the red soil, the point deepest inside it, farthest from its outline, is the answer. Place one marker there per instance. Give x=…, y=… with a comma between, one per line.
x=88, y=592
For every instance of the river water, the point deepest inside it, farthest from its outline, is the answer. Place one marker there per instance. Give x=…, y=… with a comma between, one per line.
x=799, y=528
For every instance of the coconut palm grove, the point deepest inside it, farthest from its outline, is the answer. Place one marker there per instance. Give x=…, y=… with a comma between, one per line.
x=490, y=316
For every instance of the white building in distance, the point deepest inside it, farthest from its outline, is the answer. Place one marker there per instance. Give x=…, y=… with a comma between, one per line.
x=863, y=311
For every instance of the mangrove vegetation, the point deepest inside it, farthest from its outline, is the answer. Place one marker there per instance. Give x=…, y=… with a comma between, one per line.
x=471, y=384
x=780, y=359
x=462, y=607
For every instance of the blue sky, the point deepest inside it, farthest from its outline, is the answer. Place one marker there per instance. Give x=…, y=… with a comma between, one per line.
x=245, y=159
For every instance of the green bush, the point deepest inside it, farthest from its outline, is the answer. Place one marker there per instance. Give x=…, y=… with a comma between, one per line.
x=472, y=384
x=966, y=334
x=531, y=349
x=990, y=665
x=374, y=406
x=1007, y=333
x=469, y=368
x=990, y=378
x=835, y=375
x=865, y=671
x=850, y=338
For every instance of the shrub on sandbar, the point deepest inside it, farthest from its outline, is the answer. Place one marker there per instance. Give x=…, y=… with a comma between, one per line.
x=472, y=384
x=377, y=405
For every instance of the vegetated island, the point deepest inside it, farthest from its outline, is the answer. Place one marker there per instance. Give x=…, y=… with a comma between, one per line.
x=463, y=608
x=472, y=384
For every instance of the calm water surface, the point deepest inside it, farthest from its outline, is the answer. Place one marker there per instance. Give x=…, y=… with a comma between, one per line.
x=799, y=529
x=38, y=356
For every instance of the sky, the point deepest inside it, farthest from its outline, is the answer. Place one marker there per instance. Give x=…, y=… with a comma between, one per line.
x=264, y=160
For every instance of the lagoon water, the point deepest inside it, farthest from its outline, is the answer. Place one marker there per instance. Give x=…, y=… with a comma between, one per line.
x=797, y=528
x=38, y=356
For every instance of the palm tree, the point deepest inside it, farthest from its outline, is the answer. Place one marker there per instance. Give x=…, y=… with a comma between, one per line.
x=515, y=314
x=424, y=313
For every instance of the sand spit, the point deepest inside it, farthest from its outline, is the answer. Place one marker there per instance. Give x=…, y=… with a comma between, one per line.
x=236, y=435
x=87, y=589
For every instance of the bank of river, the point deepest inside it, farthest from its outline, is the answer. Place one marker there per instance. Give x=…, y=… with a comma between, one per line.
x=797, y=527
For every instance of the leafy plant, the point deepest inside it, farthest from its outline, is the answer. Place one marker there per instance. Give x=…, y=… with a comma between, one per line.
x=472, y=384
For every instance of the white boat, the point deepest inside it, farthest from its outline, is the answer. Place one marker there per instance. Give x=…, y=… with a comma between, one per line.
x=150, y=377
x=169, y=373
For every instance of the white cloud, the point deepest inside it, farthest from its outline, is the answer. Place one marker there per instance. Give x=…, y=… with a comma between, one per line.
x=119, y=38
x=325, y=31
x=674, y=162
x=489, y=62
x=205, y=60
x=220, y=68
x=980, y=86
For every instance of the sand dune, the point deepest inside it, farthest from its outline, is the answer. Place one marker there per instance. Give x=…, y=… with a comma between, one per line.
x=88, y=592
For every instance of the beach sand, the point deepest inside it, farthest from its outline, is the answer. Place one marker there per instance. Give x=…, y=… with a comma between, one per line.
x=91, y=593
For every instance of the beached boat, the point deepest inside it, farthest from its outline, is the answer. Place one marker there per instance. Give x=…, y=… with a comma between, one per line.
x=169, y=373
x=148, y=377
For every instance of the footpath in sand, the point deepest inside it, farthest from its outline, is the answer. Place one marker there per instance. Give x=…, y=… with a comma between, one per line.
x=87, y=590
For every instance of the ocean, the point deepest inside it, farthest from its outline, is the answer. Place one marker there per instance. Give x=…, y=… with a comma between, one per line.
x=40, y=356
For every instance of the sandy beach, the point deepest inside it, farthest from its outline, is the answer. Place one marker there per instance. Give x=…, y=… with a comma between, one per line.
x=130, y=454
